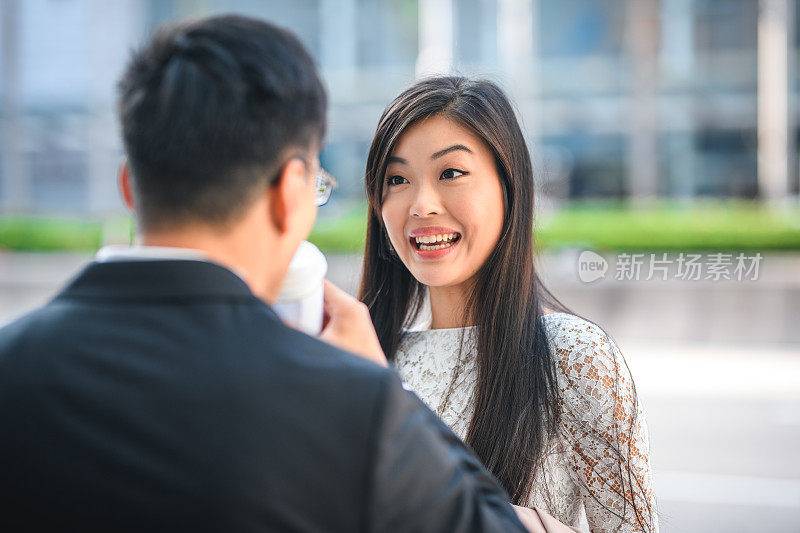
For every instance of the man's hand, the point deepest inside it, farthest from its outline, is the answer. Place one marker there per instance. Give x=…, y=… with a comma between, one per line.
x=348, y=326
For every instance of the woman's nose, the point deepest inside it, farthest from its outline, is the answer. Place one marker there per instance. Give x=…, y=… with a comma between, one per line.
x=426, y=202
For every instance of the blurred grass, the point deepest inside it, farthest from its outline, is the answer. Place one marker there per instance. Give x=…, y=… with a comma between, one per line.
x=728, y=225
x=345, y=233
x=709, y=226
x=45, y=234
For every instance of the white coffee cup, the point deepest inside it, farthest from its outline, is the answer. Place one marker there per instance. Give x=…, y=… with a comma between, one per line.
x=299, y=303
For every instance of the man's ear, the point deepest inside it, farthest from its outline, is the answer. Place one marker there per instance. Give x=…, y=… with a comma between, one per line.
x=125, y=186
x=286, y=194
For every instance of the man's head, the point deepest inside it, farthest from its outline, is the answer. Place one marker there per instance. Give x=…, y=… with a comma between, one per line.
x=212, y=112
x=222, y=121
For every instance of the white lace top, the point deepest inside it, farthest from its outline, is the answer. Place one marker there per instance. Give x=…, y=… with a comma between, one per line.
x=582, y=480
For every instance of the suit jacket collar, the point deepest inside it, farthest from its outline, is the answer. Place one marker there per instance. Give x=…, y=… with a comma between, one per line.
x=157, y=279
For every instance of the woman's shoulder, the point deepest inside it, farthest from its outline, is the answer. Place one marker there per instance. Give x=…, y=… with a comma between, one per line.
x=582, y=351
x=565, y=328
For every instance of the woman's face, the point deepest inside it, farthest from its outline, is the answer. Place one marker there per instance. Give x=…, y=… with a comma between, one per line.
x=442, y=201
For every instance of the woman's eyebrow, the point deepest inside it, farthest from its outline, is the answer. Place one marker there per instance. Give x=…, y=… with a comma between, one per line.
x=395, y=159
x=453, y=148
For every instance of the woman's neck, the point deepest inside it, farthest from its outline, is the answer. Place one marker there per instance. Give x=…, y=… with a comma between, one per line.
x=448, y=305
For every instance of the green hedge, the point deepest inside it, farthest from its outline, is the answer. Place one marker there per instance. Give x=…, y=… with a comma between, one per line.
x=707, y=226
x=722, y=226
x=45, y=234
x=345, y=233
x=714, y=226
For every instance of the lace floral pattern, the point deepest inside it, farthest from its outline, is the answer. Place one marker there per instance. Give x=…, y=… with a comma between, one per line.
x=583, y=480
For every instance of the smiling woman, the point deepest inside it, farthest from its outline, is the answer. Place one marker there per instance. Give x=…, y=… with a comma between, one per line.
x=542, y=396
x=442, y=172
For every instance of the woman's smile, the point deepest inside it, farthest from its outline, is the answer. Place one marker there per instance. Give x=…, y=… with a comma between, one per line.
x=433, y=242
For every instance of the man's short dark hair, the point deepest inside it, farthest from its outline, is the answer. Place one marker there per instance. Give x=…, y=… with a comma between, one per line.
x=208, y=111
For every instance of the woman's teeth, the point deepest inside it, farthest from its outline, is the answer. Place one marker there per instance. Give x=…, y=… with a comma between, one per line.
x=436, y=242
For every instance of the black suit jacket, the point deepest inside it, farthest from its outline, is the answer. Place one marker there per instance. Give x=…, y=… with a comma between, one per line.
x=155, y=395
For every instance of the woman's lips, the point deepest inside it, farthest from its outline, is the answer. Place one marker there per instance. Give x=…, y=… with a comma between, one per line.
x=435, y=246
x=428, y=231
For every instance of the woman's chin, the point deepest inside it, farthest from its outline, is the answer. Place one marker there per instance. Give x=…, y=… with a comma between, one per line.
x=431, y=274
x=436, y=279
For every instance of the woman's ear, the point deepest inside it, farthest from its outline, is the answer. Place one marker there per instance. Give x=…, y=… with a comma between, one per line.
x=125, y=186
x=287, y=194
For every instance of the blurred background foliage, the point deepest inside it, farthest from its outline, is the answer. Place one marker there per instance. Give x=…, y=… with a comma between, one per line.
x=652, y=123
x=728, y=225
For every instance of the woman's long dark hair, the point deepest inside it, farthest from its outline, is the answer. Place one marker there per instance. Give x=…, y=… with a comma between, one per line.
x=516, y=405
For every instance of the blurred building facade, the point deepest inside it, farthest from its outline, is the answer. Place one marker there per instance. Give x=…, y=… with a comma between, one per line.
x=619, y=98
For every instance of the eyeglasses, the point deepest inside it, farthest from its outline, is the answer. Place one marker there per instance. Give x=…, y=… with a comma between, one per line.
x=325, y=185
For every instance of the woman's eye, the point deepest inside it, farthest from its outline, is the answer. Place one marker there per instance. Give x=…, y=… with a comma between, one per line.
x=395, y=180
x=452, y=173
